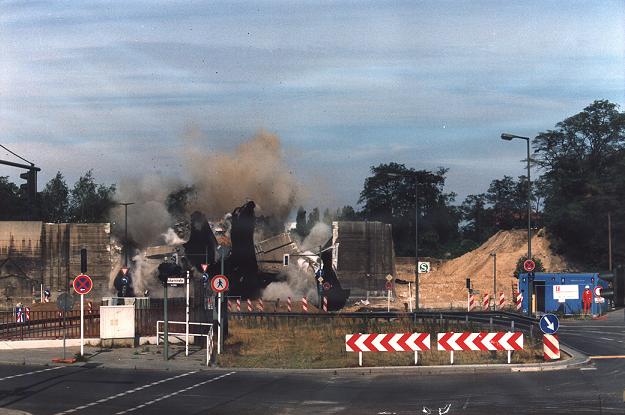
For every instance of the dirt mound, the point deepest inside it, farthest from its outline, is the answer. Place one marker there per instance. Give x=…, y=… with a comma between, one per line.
x=445, y=285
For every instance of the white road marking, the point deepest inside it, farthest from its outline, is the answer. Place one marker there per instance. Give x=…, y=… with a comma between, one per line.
x=143, y=405
x=31, y=373
x=78, y=408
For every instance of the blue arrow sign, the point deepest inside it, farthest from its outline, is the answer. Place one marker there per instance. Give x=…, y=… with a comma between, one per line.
x=549, y=324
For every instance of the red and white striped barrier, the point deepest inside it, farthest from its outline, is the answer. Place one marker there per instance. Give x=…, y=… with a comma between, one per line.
x=502, y=300
x=261, y=306
x=485, y=301
x=288, y=304
x=551, y=347
x=249, y=305
x=398, y=342
x=472, y=303
x=304, y=305
x=229, y=305
x=519, y=301
x=485, y=341
x=238, y=305
x=325, y=304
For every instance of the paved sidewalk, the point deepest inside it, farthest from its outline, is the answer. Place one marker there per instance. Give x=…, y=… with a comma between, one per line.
x=151, y=357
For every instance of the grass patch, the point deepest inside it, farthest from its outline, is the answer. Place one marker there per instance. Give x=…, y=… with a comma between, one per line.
x=296, y=343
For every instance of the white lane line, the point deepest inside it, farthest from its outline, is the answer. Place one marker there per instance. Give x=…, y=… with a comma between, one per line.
x=606, y=338
x=31, y=373
x=144, y=404
x=78, y=408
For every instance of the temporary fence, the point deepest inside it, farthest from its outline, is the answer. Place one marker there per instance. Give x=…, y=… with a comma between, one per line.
x=46, y=324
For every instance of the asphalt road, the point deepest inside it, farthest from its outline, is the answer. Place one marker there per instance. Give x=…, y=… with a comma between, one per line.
x=593, y=389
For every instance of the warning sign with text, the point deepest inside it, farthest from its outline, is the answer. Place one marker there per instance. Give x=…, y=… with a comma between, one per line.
x=566, y=292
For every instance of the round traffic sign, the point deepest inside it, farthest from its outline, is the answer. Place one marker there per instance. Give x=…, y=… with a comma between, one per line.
x=219, y=283
x=549, y=323
x=529, y=265
x=598, y=290
x=65, y=302
x=326, y=286
x=82, y=284
x=389, y=285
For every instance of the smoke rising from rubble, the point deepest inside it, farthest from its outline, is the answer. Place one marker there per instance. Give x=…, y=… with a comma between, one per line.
x=300, y=274
x=256, y=171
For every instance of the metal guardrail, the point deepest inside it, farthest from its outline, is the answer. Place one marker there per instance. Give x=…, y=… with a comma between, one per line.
x=47, y=325
x=499, y=318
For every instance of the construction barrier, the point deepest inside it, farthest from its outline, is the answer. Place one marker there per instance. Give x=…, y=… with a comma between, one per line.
x=325, y=304
x=304, y=305
x=485, y=341
x=249, y=305
x=229, y=305
x=502, y=300
x=398, y=342
x=238, y=305
x=261, y=306
x=472, y=303
x=288, y=304
x=485, y=301
x=519, y=301
x=551, y=347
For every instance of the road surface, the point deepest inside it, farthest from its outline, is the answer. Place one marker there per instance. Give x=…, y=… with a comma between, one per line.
x=593, y=389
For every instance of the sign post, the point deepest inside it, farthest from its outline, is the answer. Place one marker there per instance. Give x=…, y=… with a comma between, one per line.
x=82, y=286
x=186, y=350
x=219, y=284
x=389, y=287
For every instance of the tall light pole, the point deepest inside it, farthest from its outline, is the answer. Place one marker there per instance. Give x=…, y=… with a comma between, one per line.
x=509, y=137
x=494, y=255
x=125, y=205
x=416, y=236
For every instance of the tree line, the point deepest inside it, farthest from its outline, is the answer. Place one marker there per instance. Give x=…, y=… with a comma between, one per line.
x=581, y=166
x=581, y=179
x=86, y=202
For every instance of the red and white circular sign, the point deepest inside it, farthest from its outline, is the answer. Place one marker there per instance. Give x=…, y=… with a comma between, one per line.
x=82, y=284
x=219, y=283
x=529, y=265
x=598, y=290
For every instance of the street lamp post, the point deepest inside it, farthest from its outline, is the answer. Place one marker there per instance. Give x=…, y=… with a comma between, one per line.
x=125, y=205
x=416, y=237
x=509, y=137
x=494, y=255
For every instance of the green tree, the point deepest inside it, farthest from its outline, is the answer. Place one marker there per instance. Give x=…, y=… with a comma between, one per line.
x=55, y=200
x=91, y=202
x=11, y=205
x=347, y=213
x=313, y=218
x=301, y=227
x=478, y=218
x=389, y=196
x=584, y=179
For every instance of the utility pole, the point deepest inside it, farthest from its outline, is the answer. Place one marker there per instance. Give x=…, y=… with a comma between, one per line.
x=494, y=255
x=609, y=241
x=125, y=205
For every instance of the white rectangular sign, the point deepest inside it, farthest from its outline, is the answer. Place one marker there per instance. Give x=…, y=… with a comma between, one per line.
x=424, y=267
x=175, y=280
x=566, y=292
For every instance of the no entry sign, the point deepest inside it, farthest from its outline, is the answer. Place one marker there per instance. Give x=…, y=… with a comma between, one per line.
x=82, y=284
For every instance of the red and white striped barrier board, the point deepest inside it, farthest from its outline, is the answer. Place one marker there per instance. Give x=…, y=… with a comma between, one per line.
x=325, y=304
x=304, y=305
x=399, y=342
x=472, y=302
x=519, y=301
x=485, y=301
x=480, y=341
x=261, y=306
x=288, y=304
x=238, y=305
x=502, y=300
x=551, y=347
x=89, y=307
x=249, y=305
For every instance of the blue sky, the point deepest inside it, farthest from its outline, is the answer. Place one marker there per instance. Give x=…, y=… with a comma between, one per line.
x=113, y=86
